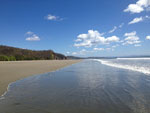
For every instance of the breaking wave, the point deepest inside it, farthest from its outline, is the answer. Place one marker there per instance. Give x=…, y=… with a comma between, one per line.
x=141, y=69
x=142, y=58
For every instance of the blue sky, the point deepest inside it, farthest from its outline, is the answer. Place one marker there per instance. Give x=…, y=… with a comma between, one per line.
x=77, y=27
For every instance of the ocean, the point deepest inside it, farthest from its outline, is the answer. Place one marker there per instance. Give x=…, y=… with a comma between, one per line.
x=92, y=86
x=135, y=64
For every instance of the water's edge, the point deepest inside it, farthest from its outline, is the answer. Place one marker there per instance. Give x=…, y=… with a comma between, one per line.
x=8, y=87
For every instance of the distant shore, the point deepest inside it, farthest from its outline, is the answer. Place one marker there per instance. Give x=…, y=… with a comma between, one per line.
x=10, y=71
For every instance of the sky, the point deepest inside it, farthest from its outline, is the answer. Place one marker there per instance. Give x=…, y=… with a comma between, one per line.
x=77, y=27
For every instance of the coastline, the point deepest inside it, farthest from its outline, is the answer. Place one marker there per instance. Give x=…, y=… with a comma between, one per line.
x=11, y=71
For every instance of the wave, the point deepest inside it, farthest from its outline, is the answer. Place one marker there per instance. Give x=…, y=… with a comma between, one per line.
x=3, y=95
x=141, y=69
x=142, y=58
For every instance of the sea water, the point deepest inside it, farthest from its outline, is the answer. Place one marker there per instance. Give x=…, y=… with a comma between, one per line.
x=91, y=86
x=135, y=64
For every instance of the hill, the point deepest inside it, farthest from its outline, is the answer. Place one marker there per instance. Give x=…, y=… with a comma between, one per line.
x=8, y=53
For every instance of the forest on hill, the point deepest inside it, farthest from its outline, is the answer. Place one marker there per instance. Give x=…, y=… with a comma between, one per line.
x=8, y=53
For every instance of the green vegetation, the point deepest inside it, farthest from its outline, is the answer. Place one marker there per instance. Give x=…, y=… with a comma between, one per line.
x=19, y=57
x=14, y=54
x=7, y=58
x=51, y=57
x=4, y=58
x=12, y=58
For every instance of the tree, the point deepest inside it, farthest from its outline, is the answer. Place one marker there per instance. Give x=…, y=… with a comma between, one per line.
x=51, y=56
x=3, y=58
x=12, y=58
x=19, y=57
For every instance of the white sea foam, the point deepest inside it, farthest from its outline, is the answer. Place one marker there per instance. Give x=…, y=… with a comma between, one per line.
x=144, y=58
x=141, y=69
x=3, y=95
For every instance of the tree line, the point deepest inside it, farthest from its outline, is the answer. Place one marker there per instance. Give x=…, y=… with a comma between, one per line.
x=14, y=54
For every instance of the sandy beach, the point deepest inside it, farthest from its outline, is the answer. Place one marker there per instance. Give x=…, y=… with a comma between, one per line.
x=11, y=71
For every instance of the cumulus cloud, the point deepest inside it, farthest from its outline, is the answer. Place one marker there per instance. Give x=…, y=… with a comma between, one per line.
x=131, y=38
x=134, y=8
x=148, y=37
x=114, y=29
x=138, y=7
x=53, y=17
x=111, y=39
x=32, y=36
x=93, y=38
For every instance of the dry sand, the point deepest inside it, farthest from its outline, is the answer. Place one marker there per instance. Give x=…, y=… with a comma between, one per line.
x=11, y=71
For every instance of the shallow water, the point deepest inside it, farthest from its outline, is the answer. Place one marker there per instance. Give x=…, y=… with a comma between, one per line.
x=86, y=87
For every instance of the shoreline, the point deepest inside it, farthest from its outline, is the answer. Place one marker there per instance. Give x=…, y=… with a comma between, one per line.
x=12, y=71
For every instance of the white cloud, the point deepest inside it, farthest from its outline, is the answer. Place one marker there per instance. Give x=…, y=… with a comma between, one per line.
x=130, y=34
x=74, y=53
x=133, y=8
x=93, y=38
x=138, y=7
x=114, y=29
x=144, y=3
x=148, y=37
x=137, y=45
x=136, y=20
x=112, y=39
x=98, y=49
x=67, y=52
x=121, y=25
x=81, y=52
x=32, y=36
x=108, y=49
x=78, y=40
x=29, y=33
x=114, y=46
x=53, y=17
x=84, y=52
x=131, y=38
x=147, y=17
x=139, y=19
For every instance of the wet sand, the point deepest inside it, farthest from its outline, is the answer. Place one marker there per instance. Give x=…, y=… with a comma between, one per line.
x=10, y=71
x=85, y=87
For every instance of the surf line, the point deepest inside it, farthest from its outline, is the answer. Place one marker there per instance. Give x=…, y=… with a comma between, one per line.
x=129, y=67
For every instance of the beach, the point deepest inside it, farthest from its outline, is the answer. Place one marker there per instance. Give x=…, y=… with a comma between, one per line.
x=10, y=71
x=90, y=86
